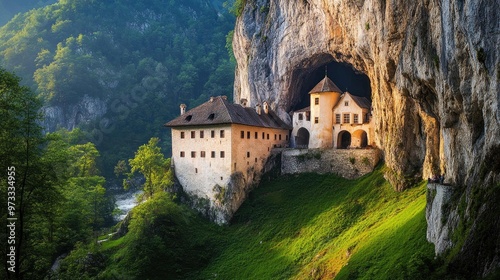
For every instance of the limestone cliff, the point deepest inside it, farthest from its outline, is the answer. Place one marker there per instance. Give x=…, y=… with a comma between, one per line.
x=434, y=70
x=70, y=116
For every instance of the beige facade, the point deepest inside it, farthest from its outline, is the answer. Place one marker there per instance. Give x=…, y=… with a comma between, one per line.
x=321, y=119
x=353, y=126
x=219, y=150
x=201, y=155
x=207, y=156
x=337, y=120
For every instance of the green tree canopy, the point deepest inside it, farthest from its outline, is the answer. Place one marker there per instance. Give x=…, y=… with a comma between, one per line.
x=150, y=162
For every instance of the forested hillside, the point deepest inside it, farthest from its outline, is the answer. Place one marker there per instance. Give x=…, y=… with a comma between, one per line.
x=8, y=9
x=139, y=58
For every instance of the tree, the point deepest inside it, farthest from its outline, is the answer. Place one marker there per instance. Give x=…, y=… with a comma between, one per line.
x=150, y=162
x=20, y=142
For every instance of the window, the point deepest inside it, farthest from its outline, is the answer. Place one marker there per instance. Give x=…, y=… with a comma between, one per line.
x=256, y=135
x=222, y=134
x=212, y=133
x=202, y=134
x=316, y=101
x=193, y=154
x=347, y=118
x=248, y=134
x=279, y=137
x=263, y=135
x=255, y=159
x=274, y=136
x=213, y=154
x=188, y=118
x=222, y=154
x=182, y=154
x=316, y=119
x=308, y=116
x=337, y=118
x=211, y=116
x=182, y=134
x=346, y=103
x=242, y=134
x=248, y=154
x=355, y=118
x=286, y=136
x=300, y=117
x=367, y=117
x=196, y=170
x=193, y=134
x=268, y=136
x=202, y=154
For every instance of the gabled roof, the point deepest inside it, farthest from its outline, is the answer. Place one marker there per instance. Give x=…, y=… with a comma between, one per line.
x=219, y=111
x=306, y=109
x=325, y=85
x=362, y=102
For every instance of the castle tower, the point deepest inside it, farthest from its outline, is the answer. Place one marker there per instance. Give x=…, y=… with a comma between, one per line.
x=324, y=96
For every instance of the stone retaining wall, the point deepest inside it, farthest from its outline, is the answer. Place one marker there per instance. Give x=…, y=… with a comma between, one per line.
x=348, y=163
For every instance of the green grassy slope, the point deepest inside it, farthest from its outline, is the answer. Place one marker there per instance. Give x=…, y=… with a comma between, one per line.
x=295, y=227
x=321, y=226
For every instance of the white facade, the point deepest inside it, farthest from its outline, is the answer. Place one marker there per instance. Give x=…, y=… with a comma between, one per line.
x=337, y=120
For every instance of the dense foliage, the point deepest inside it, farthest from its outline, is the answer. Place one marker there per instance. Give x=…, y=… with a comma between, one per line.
x=57, y=193
x=142, y=58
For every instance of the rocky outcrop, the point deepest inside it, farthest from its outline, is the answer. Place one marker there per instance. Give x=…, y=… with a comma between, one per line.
x=84, y=111
x=434, y=70
x=440, y=222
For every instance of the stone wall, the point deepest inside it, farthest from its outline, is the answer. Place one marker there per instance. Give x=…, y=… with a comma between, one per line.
x=348, y=163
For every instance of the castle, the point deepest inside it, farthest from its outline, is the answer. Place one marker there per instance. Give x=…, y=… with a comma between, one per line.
x=219, y=149
x=335, y=119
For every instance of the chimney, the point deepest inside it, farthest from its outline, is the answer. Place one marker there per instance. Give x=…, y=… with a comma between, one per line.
x=211, y=99
x=258, y=109
x=266, y=107
x=183, y=108
x=243, y=102
x=224, y=97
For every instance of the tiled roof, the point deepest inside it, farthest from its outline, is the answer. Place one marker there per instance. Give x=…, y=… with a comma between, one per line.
x=362, y=102
x=325, y=85
x=219, y=111
x=306, y=109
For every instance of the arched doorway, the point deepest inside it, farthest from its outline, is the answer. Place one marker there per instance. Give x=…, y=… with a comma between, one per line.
x=302, y=138
x=359, y=138
x=344, y=140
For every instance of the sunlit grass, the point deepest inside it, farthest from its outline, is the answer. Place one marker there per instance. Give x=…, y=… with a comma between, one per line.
x=321, y=226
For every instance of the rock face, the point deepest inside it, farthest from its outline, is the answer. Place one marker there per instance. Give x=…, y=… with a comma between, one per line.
x=69, y=117
x=439, y=221
x=434, y=70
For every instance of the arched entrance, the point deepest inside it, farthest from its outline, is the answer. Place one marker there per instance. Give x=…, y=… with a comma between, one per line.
x=302, y=138
x=344, y=140
x=359, y=139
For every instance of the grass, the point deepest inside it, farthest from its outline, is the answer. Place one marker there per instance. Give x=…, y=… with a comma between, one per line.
x=322, y=226
x=305, y=226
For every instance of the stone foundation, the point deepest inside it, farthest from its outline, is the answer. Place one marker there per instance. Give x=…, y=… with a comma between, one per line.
x=347, y=163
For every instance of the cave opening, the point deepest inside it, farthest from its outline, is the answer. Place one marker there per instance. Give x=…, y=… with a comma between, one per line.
x=313, y=71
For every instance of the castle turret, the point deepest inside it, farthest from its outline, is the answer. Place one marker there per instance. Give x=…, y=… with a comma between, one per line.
x=324, y=96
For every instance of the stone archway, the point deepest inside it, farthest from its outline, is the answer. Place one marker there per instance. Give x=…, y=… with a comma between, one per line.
x=359, y=139
x=344, y=140
x=302, y=138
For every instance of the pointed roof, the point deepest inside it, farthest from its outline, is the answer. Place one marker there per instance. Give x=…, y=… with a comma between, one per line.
x=325, y=85
x=219, y=111
x=362, y=102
